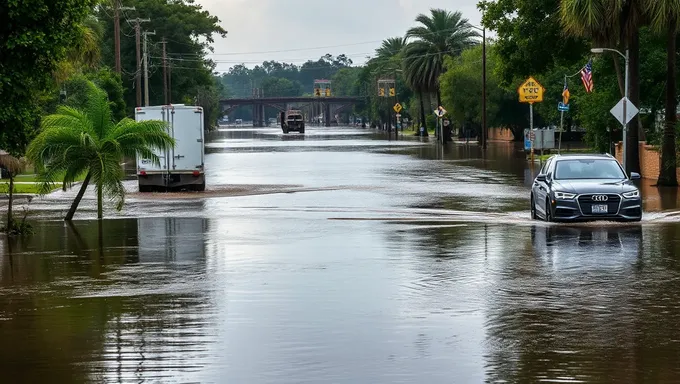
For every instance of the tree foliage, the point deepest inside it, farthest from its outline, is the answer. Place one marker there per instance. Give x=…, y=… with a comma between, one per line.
x=34, y=37
x=189, y=31
x=529, y=38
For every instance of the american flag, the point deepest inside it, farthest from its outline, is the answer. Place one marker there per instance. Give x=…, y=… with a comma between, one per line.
x=587, y=76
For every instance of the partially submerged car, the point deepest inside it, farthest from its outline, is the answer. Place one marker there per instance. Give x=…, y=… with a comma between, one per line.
x=584, y=188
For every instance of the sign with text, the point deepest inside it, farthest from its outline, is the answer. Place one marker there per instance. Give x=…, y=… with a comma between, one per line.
x=531, y=91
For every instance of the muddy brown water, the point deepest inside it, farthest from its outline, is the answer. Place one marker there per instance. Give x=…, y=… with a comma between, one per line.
x=341, y=257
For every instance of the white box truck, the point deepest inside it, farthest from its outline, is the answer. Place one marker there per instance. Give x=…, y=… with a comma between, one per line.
x=181, y=167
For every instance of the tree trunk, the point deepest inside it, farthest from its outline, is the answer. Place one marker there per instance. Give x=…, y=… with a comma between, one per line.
x=10, y=219
x=422, y=113
x=76, y=201
x=667, y=175
x=633, y=155
x=100, y=211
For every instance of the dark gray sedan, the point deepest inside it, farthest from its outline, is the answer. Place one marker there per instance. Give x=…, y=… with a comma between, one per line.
x=584, y=188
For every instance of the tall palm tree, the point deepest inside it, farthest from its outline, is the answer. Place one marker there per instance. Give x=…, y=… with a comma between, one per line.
x=612, y=22
x=664, y=15
x=441, y=33
x=74, y=142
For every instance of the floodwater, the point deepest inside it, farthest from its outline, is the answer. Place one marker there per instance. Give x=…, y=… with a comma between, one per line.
x=344, y=258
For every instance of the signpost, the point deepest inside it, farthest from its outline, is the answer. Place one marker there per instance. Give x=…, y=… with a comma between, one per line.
x=397, y=108
x=440, y=112
x=531, y=91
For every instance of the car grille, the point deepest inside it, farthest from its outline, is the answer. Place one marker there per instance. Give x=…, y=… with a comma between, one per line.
x=586, y=202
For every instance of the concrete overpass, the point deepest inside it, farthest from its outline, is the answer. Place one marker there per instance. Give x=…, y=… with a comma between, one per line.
x=313, y=105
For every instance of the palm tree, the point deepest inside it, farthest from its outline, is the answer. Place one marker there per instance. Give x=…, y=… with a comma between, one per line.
x=84, y=54
x=13, y=166
x=612, y=22
x=440, y=34
x=75, y=142
x=664, y=16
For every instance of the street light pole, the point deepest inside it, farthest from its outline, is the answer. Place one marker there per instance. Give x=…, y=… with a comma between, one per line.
x=624, y=124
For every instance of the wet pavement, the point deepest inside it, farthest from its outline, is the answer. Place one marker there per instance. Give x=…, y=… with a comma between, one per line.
x=341, y=257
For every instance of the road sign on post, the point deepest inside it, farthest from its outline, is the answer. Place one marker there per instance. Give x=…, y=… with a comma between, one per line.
x=563, y=107
x=397, y=108
x=631, y=111
x=531, y=91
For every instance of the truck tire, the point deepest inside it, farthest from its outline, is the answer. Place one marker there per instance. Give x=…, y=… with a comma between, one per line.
x=144, y=188
x=285, y=130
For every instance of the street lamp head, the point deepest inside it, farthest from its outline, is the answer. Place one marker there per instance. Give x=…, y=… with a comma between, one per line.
x=597, y=50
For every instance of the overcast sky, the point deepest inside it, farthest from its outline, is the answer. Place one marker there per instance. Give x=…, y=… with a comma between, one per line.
x=294, y=27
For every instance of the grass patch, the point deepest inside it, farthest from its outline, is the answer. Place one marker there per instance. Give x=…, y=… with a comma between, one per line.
x=32, y=178
x=23, y=188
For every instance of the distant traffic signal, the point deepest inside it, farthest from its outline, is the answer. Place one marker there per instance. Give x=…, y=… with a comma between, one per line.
x=317, y=92
x=328, y=92
x=392, y=92
x=381, y=92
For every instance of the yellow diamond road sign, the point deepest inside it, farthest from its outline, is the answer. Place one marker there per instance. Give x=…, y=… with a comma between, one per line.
x=397, y=108
x=531, y=91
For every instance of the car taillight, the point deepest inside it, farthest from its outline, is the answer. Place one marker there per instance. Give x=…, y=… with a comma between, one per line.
x=143, y=173
x=197, y=173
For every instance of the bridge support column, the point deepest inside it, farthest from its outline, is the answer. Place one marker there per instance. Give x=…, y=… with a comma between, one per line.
x=255, y=119
x=262, y=115
x=327, y=114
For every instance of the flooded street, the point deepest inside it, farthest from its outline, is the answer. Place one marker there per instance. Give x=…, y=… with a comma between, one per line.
x=341, y=257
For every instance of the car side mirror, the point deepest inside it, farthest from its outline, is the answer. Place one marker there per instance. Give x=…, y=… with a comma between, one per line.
x=541, y=178
x=635, y=176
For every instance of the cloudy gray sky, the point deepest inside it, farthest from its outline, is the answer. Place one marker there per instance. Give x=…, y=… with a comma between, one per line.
x=294, y=27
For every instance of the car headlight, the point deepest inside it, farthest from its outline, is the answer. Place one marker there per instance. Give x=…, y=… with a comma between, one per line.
x=564, y=195
x=631, y=194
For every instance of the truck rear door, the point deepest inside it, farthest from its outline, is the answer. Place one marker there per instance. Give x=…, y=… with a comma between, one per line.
x=146, y=165
x=187, y=130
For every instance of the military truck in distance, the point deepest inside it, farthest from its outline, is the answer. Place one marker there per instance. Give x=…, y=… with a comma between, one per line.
x=293, y=120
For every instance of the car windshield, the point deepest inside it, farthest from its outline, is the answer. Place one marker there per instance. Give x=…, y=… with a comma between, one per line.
x=588, y=169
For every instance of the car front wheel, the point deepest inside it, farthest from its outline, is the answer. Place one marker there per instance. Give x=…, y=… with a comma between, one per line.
x=548, y=211
x=533, y=208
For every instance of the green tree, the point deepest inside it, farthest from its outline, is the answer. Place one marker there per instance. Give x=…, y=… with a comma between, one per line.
x=612, y=21
x=461, y=87
x=74, y=142
x=33, y=39
x=664, y=16
x=278, y=86
x=529, y=38
x=189, y=31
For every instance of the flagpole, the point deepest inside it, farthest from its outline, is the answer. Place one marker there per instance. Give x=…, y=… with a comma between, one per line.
x=559, y=148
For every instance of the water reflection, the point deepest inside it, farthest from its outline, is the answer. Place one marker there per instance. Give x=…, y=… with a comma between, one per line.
x=589, y=304
x=109, y=302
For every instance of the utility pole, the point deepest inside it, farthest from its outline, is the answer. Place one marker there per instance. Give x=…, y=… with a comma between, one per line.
x=138, y=73
x=116, y=31
x=165, y=73
x=146, y=69
x=484, y=129
x=170, y=82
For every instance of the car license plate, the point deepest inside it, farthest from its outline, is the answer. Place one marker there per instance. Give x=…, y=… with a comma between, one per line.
x=600, y=208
